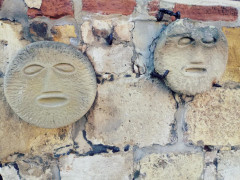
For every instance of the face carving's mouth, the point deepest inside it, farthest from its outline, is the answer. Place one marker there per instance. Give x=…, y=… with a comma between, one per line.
x=196, y=70
x=52, y=99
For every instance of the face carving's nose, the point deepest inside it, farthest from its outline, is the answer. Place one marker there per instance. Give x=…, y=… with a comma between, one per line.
x=51, y=82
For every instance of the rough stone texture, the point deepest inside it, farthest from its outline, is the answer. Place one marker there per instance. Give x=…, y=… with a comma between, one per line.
x=123, y=31
x=210, y=172
x=114, y=59
x=171, y=166
x=38, y=30
x=124, y=7
x=213, y=118
x=87, y=34
x=102, y=28
x=63, y=33
x=10, y=41
x=207, y=13
x=53, y=9
x=232, y=72
x=34, y=3
x=228, y=165
x=141, y=113
x=194, y=54
x=153, y=7
x=103, y=166
x=9, y=172
x=144, y=33
x=60, y=91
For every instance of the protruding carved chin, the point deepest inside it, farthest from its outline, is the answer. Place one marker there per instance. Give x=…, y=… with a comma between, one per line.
x=52, y=99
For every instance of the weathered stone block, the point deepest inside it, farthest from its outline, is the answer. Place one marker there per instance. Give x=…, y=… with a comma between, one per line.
x=153, y=7
x=102, y=28
x=207, y=13
x=87, y=34
x=115, y=59
x=9, y=172
x=132, y=111
x=38, y=30
x=123, y=30
x=63, y=33
x=232, y=72
x=171, y=166
x=124, y=7
x=53, y=9
x=34, y=3
x=103, y=166
x=213, y=117
x=228, y=165
x=10, y=41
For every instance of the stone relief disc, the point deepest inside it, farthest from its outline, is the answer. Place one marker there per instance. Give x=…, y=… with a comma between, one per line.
x=195, y=55
x=50, y=84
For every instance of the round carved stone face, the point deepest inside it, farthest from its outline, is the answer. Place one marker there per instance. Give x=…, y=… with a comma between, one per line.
x=195, y=55
x=50, y=84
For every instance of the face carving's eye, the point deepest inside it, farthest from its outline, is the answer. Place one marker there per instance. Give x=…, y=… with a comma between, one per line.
x=185, y=41
x=32, y=69
x=64, y=67
x=209, y=40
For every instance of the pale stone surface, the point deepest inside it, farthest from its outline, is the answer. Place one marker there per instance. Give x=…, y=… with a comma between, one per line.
x=10, y=41
x=9, y=173
x=33, y=3
x=228, y=165
x=115, y=59
x=232, y=72
x=171, y=166
x=63, y=33
x=195, y=55
x=103, y=166
x=210, y=172
x=123, y=30
x=213, y=117
x=87, y=34
x=60, y=91
x=144, y=33
x=102, y=28
x=135, y=111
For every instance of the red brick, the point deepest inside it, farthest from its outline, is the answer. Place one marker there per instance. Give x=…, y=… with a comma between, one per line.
x=207, y=13
x=1, y=1
x=153, y=7
x=53, y=9
x=124, y=7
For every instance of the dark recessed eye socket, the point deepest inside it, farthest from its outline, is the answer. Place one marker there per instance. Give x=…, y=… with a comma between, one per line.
x=210, y=40
x=64, y=67
x=185, y=41
x=33, y=69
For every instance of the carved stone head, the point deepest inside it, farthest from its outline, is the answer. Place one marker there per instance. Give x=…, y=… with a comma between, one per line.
x=50, y=84
x=195, y=55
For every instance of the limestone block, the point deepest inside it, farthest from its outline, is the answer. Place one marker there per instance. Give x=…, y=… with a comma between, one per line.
x=210, y=172
x=87, y=34
x=63, y=33
x=213, y=117
x=10, y=41
x=144, y=33
x=103, y=166
x=171, y=166
x=102, y=28
x=132, y=111
x=115, y=59
x=194, y=54
x=232, y=72
x=34, y=3
x=56, y=79
x=9, y=172
x=228, y=165
x=123, y=30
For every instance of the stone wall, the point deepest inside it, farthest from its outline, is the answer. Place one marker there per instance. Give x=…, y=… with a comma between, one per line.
x=137, y=127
